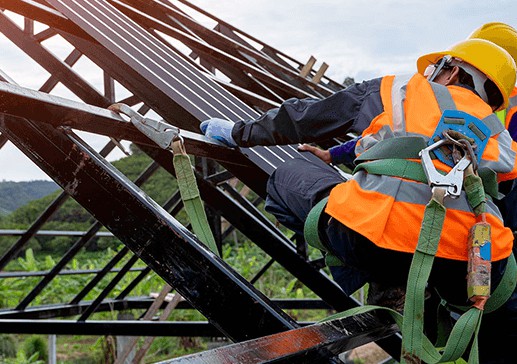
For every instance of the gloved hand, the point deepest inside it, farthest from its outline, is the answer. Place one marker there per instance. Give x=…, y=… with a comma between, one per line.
x=219, y=129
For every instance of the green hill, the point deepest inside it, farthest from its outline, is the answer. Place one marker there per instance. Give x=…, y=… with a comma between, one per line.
x=71, y=216
x=16, y=194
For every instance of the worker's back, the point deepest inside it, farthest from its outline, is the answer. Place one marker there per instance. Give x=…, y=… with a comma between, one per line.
x=389, y=210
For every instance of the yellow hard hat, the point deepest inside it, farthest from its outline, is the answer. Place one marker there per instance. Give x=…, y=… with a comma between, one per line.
x=499, y=33
x=489, y=58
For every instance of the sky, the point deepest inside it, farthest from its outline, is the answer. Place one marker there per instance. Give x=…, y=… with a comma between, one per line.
x=361, y=39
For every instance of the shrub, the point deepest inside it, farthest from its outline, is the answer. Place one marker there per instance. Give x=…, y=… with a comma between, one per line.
x=7, y=346
x=36, y=345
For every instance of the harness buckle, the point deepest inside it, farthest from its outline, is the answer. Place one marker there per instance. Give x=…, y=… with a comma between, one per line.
x=451, y=182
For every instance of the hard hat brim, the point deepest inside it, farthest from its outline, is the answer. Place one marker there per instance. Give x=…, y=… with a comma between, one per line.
x=428, y=59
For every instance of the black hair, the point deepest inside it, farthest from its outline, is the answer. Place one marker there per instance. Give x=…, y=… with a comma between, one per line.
x=495, y=98
x=493, y=94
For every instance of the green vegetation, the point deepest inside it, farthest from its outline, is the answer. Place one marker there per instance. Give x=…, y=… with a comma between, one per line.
x=36, y=346
x=246, y=258
x=72, y=217
x=7, y=346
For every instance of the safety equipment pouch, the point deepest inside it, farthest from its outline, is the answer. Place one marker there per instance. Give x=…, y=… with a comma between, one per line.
x=471, y=127
x=479, y=261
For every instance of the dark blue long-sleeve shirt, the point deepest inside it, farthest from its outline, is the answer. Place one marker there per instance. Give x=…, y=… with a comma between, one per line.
x=313, y=120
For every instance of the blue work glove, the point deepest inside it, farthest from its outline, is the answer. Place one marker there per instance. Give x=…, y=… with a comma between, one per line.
x=219, y=129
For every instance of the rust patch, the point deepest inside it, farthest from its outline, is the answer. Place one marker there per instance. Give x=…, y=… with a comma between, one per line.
x=410, y=358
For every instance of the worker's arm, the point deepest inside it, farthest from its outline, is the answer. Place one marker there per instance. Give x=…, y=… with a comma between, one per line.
x=344, y=153
x=339, y=154
x=303, y=120
x=313, y=120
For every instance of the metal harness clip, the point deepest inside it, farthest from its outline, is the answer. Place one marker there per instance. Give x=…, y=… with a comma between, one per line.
x=159, y=132
x=451, y=182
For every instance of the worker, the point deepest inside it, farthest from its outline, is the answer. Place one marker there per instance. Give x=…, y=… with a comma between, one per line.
x=372, y=222
x=505, y=36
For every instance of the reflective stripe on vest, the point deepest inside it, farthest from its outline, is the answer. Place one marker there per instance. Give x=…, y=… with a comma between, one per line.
x=376, y=206
x=398, y=96
x=512, y=101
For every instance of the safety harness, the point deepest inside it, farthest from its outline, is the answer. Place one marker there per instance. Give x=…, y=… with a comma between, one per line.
x=452, y=144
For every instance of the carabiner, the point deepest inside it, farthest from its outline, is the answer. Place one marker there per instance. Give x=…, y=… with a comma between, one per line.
x=451, y=182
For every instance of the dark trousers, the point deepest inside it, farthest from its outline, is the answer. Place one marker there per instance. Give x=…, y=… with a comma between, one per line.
x=297, y=185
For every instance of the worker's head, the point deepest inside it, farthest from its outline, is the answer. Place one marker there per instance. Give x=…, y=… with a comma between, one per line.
x=480, y=64
x=501, y=34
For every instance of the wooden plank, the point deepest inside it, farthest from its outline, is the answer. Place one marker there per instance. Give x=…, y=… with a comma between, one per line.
x=307, y=68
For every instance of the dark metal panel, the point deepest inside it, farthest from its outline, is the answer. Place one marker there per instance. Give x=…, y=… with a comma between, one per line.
x=163, y=70
x=157, y=71
x=102, y=328
x=224, y=50
x=156, y=86
x=119, y=304
x=160, y=241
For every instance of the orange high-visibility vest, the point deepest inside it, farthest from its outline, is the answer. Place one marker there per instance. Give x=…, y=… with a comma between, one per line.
x=389, y=210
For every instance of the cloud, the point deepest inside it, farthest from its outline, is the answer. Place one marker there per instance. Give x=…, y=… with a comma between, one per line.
x=362, y=39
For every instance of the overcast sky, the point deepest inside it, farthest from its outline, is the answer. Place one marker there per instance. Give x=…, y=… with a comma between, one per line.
x=362, y=39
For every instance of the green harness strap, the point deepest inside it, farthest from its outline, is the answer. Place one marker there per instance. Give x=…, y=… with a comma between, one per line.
x=456, y=341
x=395, y=168
x=415, y=345
x=389, y=158
x=399, y=148
x=189, y=192
x=311, y=234
x=467, y=326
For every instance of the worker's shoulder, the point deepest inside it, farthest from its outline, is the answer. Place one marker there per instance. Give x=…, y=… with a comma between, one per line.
x=365, y=87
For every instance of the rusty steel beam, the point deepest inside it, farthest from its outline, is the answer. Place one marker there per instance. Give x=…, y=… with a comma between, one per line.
x=317, y=343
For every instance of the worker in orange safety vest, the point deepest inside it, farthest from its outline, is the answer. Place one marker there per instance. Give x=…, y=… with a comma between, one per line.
x=504, y=36
x=372, y=221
